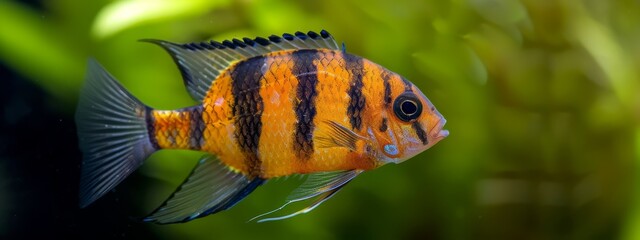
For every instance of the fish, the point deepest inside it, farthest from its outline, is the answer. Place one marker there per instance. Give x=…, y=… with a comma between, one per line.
x=266, y=108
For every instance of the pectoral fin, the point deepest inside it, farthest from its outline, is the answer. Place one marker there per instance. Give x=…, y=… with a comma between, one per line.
x=322, y=186
x=333, y=134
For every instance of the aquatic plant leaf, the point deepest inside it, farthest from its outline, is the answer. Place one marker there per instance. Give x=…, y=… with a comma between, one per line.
x=33, y=48
x=121, y=15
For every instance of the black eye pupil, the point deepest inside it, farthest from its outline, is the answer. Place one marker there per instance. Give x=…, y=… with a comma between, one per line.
x=407, y=107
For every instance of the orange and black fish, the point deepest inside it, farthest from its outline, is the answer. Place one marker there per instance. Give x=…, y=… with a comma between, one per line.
x=266, y=108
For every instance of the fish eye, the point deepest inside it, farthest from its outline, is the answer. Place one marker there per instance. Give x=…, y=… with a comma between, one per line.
x=407, y=107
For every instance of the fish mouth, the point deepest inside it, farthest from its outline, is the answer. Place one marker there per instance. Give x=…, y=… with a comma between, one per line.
x=442, y=134
x=438, y=132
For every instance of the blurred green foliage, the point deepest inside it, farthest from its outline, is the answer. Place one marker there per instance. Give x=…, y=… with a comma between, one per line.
x=541, y=99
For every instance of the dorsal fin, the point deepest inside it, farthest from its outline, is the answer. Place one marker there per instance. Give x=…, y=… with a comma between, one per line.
x=201, y=63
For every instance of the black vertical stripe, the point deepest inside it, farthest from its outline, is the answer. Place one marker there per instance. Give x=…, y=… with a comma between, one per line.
x=355, y=109
x=247, y=110
x=386, y=75
x=422, y=135
x=387, y=88
x=196, y=128
x=407, y=84
x=306, y=73
x=383, y=126
x=151, y=127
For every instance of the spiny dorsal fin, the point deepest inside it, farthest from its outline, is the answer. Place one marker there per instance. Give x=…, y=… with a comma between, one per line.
x=201, y=63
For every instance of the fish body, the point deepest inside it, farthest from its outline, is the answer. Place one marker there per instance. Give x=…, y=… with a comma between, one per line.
x=268, y=108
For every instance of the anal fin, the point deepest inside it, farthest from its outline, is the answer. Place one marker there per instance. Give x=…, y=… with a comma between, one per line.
x=321, y=186
x=211, y=187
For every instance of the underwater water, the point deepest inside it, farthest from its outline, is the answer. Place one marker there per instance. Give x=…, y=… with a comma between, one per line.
x=542, y=99
x=40, y=171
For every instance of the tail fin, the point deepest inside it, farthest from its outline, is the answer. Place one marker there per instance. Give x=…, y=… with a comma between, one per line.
x=112, y=131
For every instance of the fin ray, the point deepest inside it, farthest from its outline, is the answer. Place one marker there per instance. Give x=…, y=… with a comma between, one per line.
x=211, y=187
x=321, y=185
x=333, y=134
x=323, y=198
x=201, y=63
x=321, y=182
x=112, y=133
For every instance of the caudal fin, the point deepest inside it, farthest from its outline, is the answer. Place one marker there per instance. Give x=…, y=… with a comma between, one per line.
x=112, y=131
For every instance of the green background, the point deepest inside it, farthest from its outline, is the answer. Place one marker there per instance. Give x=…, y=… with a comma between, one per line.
x=542, y=100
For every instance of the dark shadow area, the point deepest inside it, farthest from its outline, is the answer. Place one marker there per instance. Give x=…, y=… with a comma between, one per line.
x=39, y=147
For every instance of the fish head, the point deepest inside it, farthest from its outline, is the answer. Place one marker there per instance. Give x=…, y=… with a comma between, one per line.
x=413, y=125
